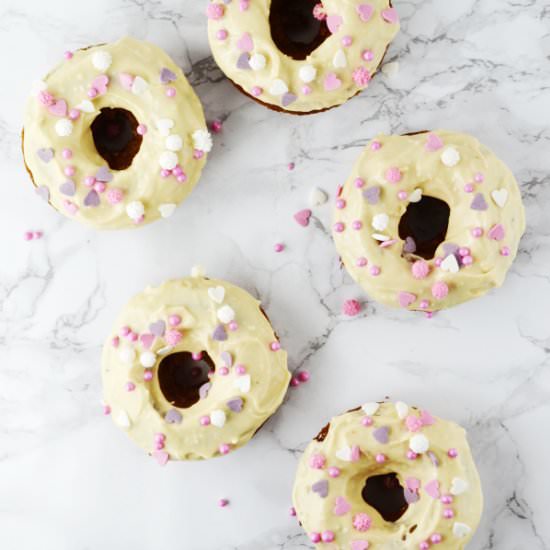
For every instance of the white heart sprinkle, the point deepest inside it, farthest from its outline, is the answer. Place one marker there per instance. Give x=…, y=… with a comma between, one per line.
x=226, y=314
x=122, y=419
x=135, y=210
x=257, y=62
x=379, y=237
x=174, y=143
x=380, y=221
x=500, y=196
x=126, y=354
x=202, y=140
x=307, y=73
x=217, y=418
x=461, y=530
x=339, y=60
x=415, y=196
x=102, y=60
x=164, y=125
x=450, y=157
x=167, y=209
x=402, y=409
x=458, y=486
x=217, y=294
x=243, y=383
x=450, y=264
x=168, y=160
x=390, y=69
x=317, y=197
x=419, y=443
x=344, y=454
x=370, y=408
x=278, y=87
x=139, y=85
x=63, y=127
x=86, y=106
x=147, y=359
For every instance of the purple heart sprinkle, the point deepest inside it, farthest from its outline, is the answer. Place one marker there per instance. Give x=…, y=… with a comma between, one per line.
x=45, y=154
x=321, y=488
x=410, y=246
x=226, y=358
x=242, y=62
x=167, y=76
x=43, y=192
x=433, y=458
x=157, y=328
x=235, y=404
x=92, y=199
x=219, y=334
x=173, y=417
x=410, y=496
x=68, y=188
x=479, y=202
x=372, y=194
x=381, y=434
x=104, y=175
x=287, y=99
x=204, y=389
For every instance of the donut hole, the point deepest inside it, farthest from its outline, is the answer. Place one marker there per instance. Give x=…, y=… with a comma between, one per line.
x=294, y=29
x=426, y=223
x=385, y=494
x=181, y=377
x=115, y=135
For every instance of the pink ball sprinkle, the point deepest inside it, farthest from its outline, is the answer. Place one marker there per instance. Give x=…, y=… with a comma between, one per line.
x=223, y=502
x=357, y=225
x=92, y=92
x=361, y=262
x=464, y=251
x=446, y=499
x=479, y=177
x=294, y=382
x=351, y=308
x=100, y=186
x=375, y=271
x=89, y=181
x=467, y=260
x=291, y=166
x=339, y=227
x=216, y=126
x=306, y=90
x=215, y=11
x=68, y=55
x=505, y=251
x=367, y=55
x=393, y=175
x=436, y=538
x=178, y=170
x=279, y=247
x=275, y=346
x=438, y=262
x=182, y=178
x=448, y=513
x=240, y=369
x=411, y=455
x=141, y=129
x=452, y=453
x=159, y=445
x=170, y=92
x=402, y=195
x=424, y=545
x=367, y=421
x=327, y=536
x=164, y=173
x=132, y=337
x=74, y=114
x=292, y=511
x=317, y=461
x=315, y=537
x=223, y=371
x=159, y=437
x=244, y=5
x=124, y=331
x=115, y=342
x=204, y=420
x=376, y=146
x=303, y=376
x=477, y=232
x=340, y=204
x=130, y=386
x=37, y=234
x=221, y=34
x=256, y=91
x=69, y=170
x=196, y=355
x=380, y=458
x=174, y=320
x=420, y=269
x=106, y=410
x=469, y=187
x=440, y=290
x=224, y=448
x=148, y=376
x=115, y=195
x=359, y=182
x=28, y=235
x=333, y=471
x=173, y=337
x=67, y=154
x=233, y=326
x=347, y=41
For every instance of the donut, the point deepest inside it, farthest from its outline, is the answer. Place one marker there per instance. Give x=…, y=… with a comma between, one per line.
x=192, y=369
x=428, y=220
x=115, y=136
x=388, y=476
x=300, y=56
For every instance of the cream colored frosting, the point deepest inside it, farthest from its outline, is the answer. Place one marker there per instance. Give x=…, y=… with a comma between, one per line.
x=326, y=77
x=204, y=306
x=433, y=471
x=133, y=68
x=446, y=165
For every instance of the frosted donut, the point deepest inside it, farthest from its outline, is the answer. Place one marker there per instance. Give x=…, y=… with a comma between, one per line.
x=300, y=56
x=429, y=220
x=115, y=136
x=388, y=476
x=192, y=369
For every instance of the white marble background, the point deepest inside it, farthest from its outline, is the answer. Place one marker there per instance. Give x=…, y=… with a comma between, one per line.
x=69, y=480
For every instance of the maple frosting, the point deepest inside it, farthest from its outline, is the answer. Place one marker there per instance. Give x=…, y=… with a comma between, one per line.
x=388, y=461
x=156, y=385
x=429, y=220
x=348, y=48
x=115, y=136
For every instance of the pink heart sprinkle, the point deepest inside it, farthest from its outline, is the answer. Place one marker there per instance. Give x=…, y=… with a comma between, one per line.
x=245, y=43
x=161, y=457
x=355, y=453
x=434, y=143
x=359, y=545
x=406, y=298
x=412, y=483
x=334, y=22
x=126, y=80
x=365, y=12
x=59, y=108
x=100, y=83
x=70, y=207
x=341, y=506
x=497, y=233
x=390, y=15
x=302, y=217
x=332, y=82
x=432, y=488
x=427, y=418
x=147, y=340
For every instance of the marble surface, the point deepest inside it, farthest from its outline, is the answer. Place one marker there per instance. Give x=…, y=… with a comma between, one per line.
x=69, y=480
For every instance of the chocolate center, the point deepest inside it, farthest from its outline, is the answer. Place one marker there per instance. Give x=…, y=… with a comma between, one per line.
x=115, y=137
x=294, y=29
x=181, y=376
x=426, y=223
x=386, y=496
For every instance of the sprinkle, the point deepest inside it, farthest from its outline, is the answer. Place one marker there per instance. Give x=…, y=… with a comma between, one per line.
x=376, y=146
x=505, y=251
x=223, y=502
x=420, y=269
x=450, y=157
x=314, y=537
x=440, y=290
x=148, y=375
x=361, y=262
x=68, y=55
x=170, y=92
x=204, y=420
x=64, y=127
x=141, y=129
x=317, y=197
x=452, y=453
x=327, y=536
x=469, y=188
x=333, y=471
x=256, y=91
x=367, y=421
x=367, y=55
x=361, y=77
x=477, y=232
x=362, y=522
x=351, y=308
x=339, y=227
x=275, y=346
x=302, y=217
x=500, y=197
x=380, y=222
x=222, y=34
x=135, y=210
x=419, y=443
x=375, y=271
x=340, y=204
x=102, y=60
x=402, y=195
x=448, y=513
x=292, y=511
x=130, y=386
x=380, y=458
x=303, y=376
x=317, y=461
x=173, y=337
x=393, y=175
x=224, y=448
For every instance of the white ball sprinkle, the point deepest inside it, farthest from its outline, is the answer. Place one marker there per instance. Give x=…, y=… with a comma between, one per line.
x=63, y=127
x=202, y=140
x=450, y=157
x=102, y=60
x=257, y=62
x=135, y=210
x=168, y=160
x=307, y=73
x=419, y=443
x=147, y=359
x=174, y=142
